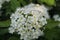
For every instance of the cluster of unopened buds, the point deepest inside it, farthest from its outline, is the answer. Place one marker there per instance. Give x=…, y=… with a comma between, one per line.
x=28, y=20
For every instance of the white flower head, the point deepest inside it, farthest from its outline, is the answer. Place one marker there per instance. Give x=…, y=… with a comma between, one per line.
x=27, y=22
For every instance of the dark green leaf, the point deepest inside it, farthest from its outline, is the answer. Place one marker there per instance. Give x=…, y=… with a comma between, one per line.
x=13, y=38
x=52, y=34
x=51, y=24
x=4, y=23
x=3, y=31
x=14, y=4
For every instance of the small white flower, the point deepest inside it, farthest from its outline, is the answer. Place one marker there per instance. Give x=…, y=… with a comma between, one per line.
x=11, y=30
x=56, y=17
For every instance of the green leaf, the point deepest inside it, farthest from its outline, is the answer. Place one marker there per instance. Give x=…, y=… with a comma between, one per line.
x=51, y=24
x=48, y=2
x=14, y=4
x=22, y=2
x=4, y=23
x=8, y=8
x=3, y=31
x=52, y=34
x=52, y=31
x=13, y=38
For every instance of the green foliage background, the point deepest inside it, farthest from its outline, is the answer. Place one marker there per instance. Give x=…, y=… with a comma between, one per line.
x=52, y=31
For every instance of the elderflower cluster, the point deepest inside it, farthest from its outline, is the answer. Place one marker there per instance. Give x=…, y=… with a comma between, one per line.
x=28, y=20
x=2, y=1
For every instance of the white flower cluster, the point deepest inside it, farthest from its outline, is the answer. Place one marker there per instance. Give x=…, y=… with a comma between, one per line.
x=2, y=1
x=56, y=17
x=28, y=20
